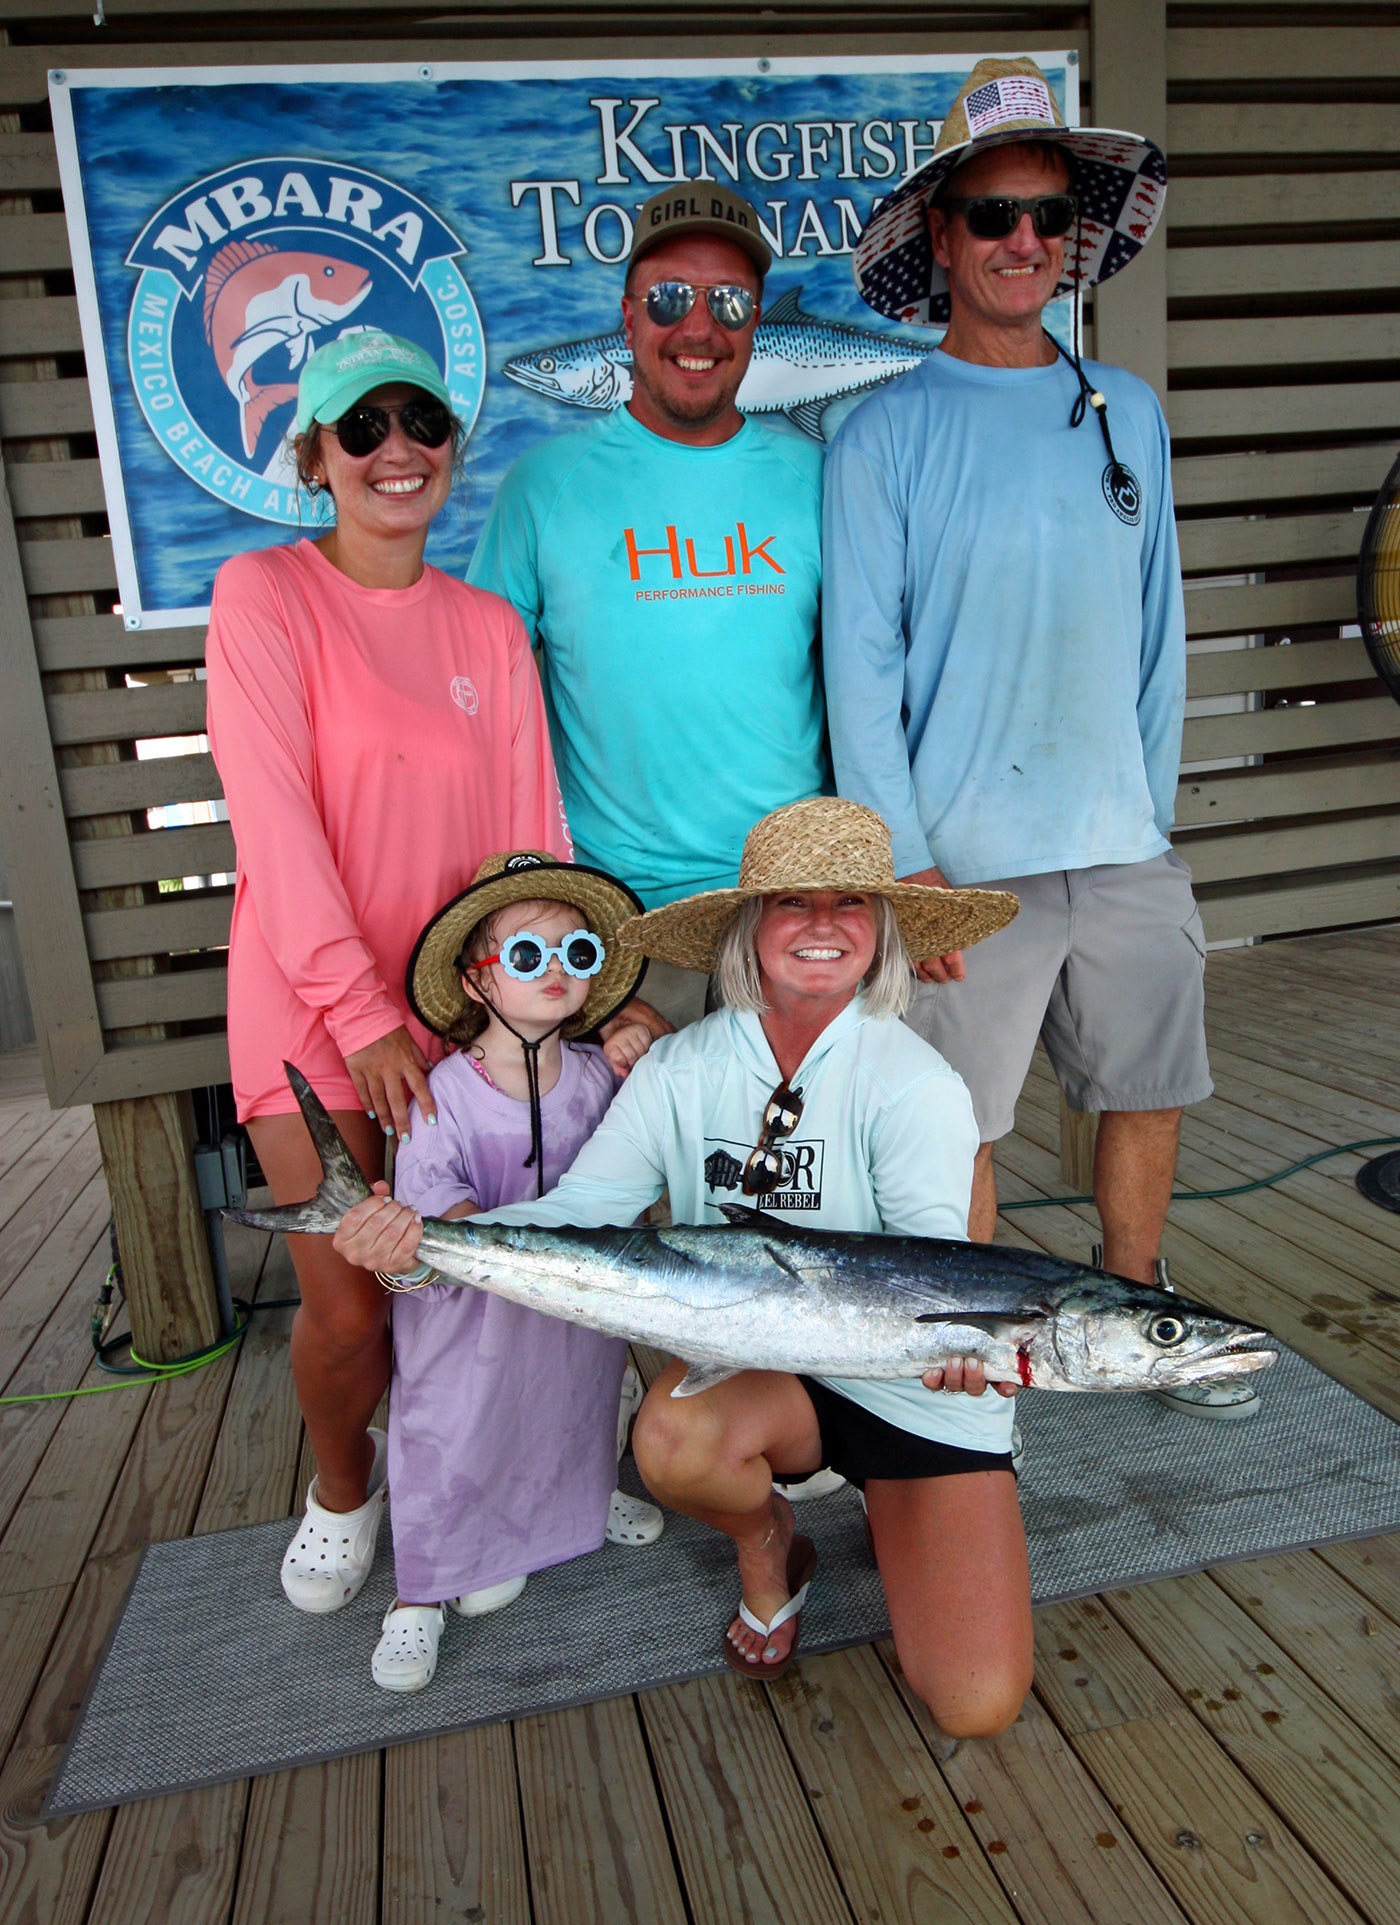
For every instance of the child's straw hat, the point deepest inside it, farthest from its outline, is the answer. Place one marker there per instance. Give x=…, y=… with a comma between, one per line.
x=433, y=981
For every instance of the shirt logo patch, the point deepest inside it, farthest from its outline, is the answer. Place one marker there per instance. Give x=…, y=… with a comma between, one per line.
x=799, y=1186
x=464, y=694
x=1123, y=493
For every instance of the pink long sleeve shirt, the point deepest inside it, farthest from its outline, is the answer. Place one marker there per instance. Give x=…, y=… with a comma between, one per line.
x=375, y=745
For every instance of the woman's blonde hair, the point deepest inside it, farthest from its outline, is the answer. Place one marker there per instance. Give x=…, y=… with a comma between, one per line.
x=888, y=983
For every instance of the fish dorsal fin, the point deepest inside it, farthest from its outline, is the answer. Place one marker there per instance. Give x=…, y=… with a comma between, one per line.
x=701, y=1377
x=744, y=1216
x=227, y=261
x=786, y=311
x=807, y=415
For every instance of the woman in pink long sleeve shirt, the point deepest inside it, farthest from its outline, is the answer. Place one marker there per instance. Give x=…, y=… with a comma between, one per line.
x=379, y=729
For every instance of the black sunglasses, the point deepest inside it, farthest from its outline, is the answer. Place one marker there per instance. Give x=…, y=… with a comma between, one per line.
x=670, y=301
x=781, y=1115
x=360, y=431
x=991, y=217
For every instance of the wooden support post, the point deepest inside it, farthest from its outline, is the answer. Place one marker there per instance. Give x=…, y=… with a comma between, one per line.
x=1078, y=1133
x=1130, y=90
x=147, y=1153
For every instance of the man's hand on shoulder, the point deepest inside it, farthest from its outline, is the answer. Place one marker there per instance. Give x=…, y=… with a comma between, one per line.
x=936, y=969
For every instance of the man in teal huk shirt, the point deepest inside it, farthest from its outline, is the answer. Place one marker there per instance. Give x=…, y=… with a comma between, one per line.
x=1005, y=645
x=666, y=560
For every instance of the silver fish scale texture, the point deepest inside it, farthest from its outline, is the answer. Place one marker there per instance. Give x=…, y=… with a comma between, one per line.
x=1116, y=1489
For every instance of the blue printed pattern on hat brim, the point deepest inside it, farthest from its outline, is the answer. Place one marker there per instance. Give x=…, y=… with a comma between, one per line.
x=1121, y=182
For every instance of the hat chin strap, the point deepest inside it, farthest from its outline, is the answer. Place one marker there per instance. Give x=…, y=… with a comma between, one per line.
x=1088, y=397
x=531, y=1052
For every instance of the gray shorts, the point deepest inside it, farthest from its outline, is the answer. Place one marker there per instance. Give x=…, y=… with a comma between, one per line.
x=1107, y=966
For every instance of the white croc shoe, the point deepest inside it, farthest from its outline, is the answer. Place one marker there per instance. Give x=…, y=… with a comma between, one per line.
x=405, y=1657
x=329, y=1559
x=492, y=1597
x=631, y=1520
x=629, y=1405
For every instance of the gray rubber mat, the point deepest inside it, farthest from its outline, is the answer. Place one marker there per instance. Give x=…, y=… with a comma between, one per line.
x=211, y=1675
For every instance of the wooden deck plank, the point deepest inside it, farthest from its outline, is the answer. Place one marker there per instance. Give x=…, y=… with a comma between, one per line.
x=1332, y=1785
x=1054, y=1842
x=38, y=1294
x=453, y=1847
x=1349, y=1648
x=24, y=1175
x=46, y=1872
x=169, y=1859
x=46, y=1206
x=311, y=1847
x=1192, y=1811
x=1372, y=1566
x=584, y=1774
x=745, y=1839
x=901, y=1846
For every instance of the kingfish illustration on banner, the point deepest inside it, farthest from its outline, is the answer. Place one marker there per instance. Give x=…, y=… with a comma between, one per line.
x=245, y=273
x=800, y=364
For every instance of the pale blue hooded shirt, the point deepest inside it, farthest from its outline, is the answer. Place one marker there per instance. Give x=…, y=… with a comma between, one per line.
x=886, y=1143
x=1005, y=648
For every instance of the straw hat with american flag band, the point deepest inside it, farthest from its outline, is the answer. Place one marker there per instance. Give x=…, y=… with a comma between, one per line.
x=1120, y=182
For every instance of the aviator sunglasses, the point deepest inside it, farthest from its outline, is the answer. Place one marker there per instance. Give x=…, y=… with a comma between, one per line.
x=670, y=301
x=991, y=217
x=360, y=431
x=781, y=1115
x=526, y=956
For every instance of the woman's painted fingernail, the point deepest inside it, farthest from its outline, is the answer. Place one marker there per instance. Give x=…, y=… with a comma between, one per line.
x=389, y=1129
x=407, y=1136
x=432, y=1122
x=371, y=1115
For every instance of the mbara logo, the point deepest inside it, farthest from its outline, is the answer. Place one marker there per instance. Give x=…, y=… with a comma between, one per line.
x=250, y=270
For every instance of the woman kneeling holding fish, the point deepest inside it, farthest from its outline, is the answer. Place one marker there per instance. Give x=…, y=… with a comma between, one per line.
x=379, y=729
x=804, y=1093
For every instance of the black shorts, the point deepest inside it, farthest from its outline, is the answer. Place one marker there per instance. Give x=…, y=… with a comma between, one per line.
x=860, y=1445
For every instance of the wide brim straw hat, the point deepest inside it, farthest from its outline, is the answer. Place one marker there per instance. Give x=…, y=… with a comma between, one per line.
x=1120, y=180
x=433, y=982
x=827, y=843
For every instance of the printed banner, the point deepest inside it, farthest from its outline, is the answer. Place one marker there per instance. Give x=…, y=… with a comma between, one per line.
x=225, y=223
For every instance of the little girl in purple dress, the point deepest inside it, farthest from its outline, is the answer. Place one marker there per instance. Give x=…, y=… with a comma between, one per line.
x=504, y=1425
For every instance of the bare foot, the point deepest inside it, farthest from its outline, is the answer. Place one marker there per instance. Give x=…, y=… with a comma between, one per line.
x=763, y=1585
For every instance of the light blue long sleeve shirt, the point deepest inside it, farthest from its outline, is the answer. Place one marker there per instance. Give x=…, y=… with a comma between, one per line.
x=886, y=1143
x=1005, y=648
x=673, y=594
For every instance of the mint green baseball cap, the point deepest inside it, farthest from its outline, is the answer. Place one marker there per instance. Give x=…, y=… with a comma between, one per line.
x=345, y=371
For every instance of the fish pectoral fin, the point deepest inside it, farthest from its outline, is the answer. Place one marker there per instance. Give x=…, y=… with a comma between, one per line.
x=989, y=1326
x=704, y=1377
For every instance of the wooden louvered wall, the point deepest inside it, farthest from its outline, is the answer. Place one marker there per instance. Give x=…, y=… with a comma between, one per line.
x=1279, y=356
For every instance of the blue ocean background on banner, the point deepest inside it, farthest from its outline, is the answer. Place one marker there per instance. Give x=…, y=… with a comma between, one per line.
x=458, y=144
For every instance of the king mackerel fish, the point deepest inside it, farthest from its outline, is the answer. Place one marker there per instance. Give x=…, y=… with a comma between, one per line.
x=760, y=1295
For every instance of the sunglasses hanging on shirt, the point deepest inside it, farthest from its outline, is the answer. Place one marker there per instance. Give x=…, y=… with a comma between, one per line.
x=782, y=1113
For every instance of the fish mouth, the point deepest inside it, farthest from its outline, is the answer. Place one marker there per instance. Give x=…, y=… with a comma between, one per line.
x=1233, y=1356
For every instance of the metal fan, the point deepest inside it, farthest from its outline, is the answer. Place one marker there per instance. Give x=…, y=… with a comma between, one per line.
x=1378, y=598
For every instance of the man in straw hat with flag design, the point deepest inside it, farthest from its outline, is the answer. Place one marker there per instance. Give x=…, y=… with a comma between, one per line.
x=1005, y=644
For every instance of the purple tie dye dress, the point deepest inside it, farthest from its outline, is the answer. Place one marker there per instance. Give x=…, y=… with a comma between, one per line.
x=502, y=1423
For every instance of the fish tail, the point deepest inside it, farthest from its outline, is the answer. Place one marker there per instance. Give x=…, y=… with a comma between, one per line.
x=342, y=1183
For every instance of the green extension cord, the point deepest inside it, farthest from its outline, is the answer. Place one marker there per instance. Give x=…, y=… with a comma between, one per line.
x=1239, y=1189
x=145, y=1373
x=149, y=1373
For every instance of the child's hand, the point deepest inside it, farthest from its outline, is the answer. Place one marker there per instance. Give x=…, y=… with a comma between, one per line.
x=380, y=1234
x=626, y=1046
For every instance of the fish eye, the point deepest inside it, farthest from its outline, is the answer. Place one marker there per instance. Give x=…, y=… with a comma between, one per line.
x=1166, y=1331
x=329, y=272
x=546, y=364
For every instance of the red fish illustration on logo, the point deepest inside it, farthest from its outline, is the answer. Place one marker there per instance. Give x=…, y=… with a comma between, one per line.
x=257, y=298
